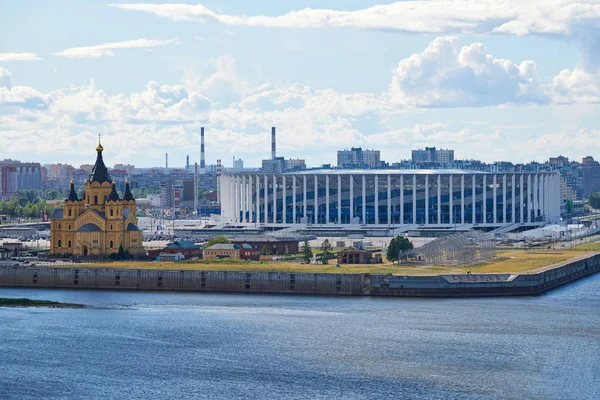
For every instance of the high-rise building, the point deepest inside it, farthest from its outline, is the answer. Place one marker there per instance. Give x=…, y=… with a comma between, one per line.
x=356, y=157
x=432, y=155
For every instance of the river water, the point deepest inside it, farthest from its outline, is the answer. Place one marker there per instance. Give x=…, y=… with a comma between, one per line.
x=141, y=345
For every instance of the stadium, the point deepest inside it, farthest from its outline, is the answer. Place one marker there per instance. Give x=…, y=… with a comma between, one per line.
x=386, y=198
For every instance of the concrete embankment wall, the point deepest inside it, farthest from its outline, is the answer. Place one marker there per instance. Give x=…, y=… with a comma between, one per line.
x=299, y=283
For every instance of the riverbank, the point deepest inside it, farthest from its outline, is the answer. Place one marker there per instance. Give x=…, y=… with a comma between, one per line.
x=23, y=302
x=445, y=284
x=512, y=261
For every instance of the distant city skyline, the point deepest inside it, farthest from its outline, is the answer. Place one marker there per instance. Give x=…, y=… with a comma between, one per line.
x=512, y=81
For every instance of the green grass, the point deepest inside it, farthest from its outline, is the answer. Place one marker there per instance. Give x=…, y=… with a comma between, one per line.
x=23, y=302
x=512, y=261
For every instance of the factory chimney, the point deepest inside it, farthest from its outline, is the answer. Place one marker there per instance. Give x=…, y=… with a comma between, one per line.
x=187, y=162
x=166, y=160
x=196, y=188
x=202, y=162
x=273, y=152
x=219, y=181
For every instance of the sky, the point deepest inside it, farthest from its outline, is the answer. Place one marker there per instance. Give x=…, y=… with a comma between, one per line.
x=494, y=80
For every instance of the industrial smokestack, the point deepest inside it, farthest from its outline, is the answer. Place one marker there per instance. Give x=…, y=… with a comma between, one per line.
x=196, y=188
x=187, y=163
x=166, y=160
x=273, y=152
x=202, y=163
x=219, y=181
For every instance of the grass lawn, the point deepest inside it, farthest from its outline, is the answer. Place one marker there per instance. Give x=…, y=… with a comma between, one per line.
x=595, y=246
x=513, y=261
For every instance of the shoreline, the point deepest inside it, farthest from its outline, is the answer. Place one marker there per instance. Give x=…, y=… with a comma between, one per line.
x=303, y=283
x=13, y=302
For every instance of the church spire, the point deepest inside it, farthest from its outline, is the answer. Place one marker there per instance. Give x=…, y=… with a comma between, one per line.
x=127, y=196
x=99, y=172
x=72, y=195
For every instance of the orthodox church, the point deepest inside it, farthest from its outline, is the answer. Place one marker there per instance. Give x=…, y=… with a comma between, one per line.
x=100, y=222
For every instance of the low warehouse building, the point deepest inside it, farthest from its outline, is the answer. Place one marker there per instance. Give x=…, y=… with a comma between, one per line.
x=358, y=256
x=222, y=250
x=272, y=246
x=189, y=250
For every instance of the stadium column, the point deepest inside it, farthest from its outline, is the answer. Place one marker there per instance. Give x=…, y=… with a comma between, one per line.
x=231, y=198
x=364, y=199
x=426, y=199
x=243, y=198
x=376, y=189
x=484, y=199
x=541, y=195
x=504, y=199
x=316, y=205
x=513, y=201
x=439, y=199
x=521, y=198
x=351, y=197
x=529, y=197
x=249, y=197
x=414, y=199
x=535, y=189
x=462, y=199
x=326, y=199
x=304, y=205
x=266, y=196
x=401, y=219
x=294, y=199
x=257, y=204
x=274, y=199
x=450, y=200
x=284, y=201
x=474, y=202
x=495, y=203
x=339, y=199
x=389, y=200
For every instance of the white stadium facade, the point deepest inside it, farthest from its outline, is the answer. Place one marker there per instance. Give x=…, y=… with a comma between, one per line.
x=384, y=198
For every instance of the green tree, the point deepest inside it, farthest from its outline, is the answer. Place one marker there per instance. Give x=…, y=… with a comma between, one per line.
x=398, y=246
x=264, y=251
x=121, y=253
x=217, y=240
x=326, y=251
x=306, y=251
x=569, y=206
x=594, y=200
x=393, y=250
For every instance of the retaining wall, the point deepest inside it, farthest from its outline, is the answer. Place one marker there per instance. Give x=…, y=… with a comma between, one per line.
x=299, y=283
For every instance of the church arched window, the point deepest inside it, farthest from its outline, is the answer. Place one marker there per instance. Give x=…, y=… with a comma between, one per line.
x=95, y=199
x=111, y=212
x=69, y=244
x=59, y=243
x=111, y=244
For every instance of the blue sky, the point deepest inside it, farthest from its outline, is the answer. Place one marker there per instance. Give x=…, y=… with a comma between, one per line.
x=493, y=80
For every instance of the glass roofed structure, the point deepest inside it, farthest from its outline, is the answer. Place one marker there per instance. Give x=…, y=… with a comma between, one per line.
x=390, y=197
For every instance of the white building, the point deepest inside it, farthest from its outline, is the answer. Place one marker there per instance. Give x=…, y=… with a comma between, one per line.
x=433, y=155
x=391, y=197
x=356, y=157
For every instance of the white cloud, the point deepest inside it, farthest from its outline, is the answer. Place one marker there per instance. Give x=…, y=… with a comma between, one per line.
x=311, y=122
x=106, y=49
x=448, y=75
x=18, y=57
x=5, y=76
x=515, y=17
x=576, y=86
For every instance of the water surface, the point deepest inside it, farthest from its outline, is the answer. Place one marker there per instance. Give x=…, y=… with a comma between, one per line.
x=140, y=345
